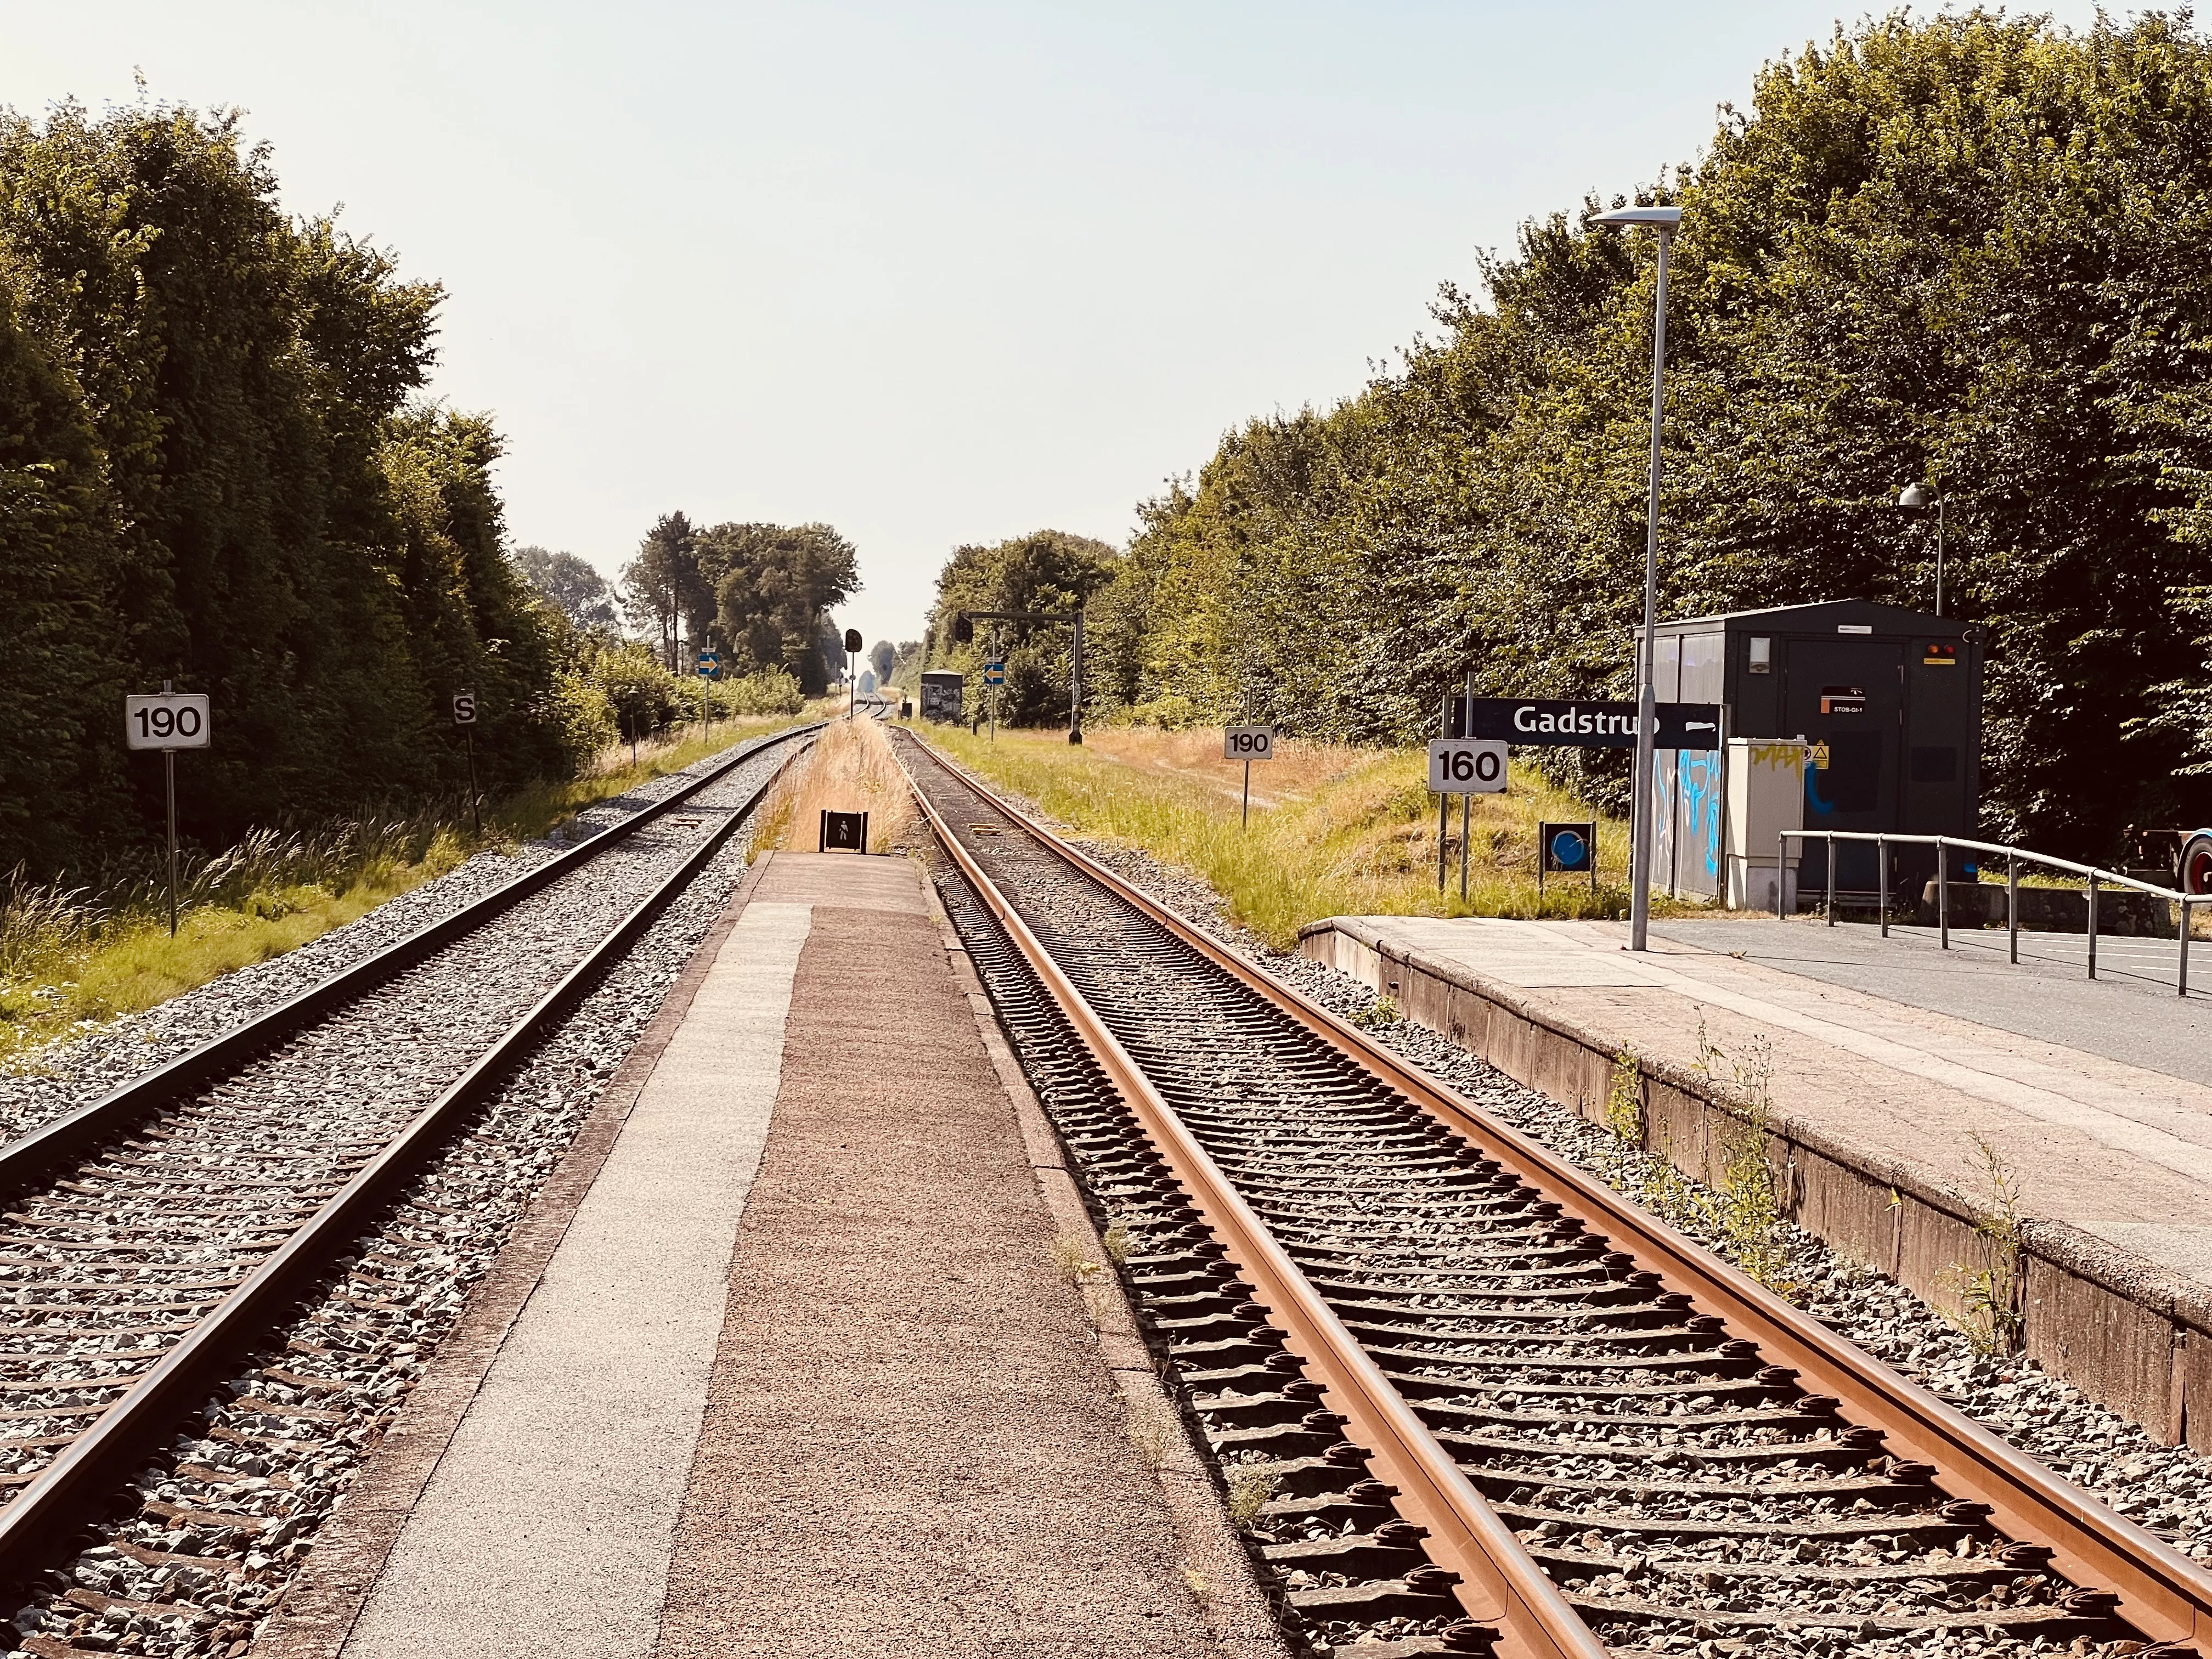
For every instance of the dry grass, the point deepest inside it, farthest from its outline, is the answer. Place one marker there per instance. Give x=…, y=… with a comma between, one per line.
x=850, y=769
x=1334, y=830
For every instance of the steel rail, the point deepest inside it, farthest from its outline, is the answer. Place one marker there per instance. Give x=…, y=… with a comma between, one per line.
x=33, y=1155
x=1500, y=1584
x=2165, y=1595
x=72, y=1487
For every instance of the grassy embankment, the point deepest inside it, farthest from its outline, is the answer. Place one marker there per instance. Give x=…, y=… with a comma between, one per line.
x=70, y=959
x=1334, y=830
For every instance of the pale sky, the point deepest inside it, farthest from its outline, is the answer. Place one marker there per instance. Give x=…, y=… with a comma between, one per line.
x=933, y=274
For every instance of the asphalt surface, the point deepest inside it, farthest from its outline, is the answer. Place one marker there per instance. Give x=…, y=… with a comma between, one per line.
x=2130, y=1013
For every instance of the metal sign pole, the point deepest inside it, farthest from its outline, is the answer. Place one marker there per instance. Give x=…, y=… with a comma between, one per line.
x=1443, y=802
x=1075, y=684
x=476, y=812
x=169, y=776
x=169, y=770
x=1248, y=794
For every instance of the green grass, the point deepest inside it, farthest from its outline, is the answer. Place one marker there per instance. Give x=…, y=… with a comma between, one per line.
x=1352, y=832
x=71, y=959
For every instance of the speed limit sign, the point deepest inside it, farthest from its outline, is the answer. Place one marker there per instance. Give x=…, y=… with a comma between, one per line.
x=174, y=719
x=1248, y=743
x=1467, y=766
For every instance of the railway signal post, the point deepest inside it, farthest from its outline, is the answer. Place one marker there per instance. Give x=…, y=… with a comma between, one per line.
x=173, y=721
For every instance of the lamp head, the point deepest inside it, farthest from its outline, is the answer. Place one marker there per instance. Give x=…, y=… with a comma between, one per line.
x=1914, y=494
x=1666, y=218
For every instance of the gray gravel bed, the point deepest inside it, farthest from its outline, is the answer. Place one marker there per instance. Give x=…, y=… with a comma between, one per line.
x=41, y=1085
x=217, y=1530
x=2167, y=1490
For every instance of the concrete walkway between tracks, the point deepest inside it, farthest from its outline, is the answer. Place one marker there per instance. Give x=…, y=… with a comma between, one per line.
x=802, y=1376
x=2094, y=1097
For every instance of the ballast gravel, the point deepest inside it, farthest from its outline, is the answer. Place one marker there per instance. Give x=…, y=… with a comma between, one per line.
x=2166, y=1490
x=202, y=1546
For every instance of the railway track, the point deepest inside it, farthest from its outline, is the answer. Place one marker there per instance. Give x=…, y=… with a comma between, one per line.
x=155, y=1234
x=1467, y=1399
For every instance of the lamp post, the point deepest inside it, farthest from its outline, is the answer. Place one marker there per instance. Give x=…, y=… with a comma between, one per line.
x=1917, y=495
x=1665, y=221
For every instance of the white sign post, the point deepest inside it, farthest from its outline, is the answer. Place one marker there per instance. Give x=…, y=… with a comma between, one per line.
x=465, y=716
x=1466, y=767
x=1248, y=743
x=173, y=721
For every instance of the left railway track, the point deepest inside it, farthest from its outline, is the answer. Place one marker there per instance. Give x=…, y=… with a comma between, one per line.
x=153, y=1235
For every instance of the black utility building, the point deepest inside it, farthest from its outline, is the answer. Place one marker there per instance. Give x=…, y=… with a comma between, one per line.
x=1890, y=698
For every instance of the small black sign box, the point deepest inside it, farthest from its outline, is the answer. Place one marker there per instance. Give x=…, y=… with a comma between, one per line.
x=844, y=832
x=1583, y=724
x=1568, y=848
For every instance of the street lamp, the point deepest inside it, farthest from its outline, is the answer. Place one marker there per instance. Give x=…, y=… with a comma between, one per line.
x=1665, y=221
x=1917, y=495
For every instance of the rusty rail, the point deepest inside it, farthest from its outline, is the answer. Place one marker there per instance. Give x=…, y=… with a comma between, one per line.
x=2162, y=1593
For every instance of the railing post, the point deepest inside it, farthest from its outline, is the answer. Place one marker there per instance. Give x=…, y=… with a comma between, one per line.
x=2093, y=928
x=1830, y=842
x=2012, y=903
x=1780, y=850
x=1942, y=896
x=1882, y=879
x=2181, y=976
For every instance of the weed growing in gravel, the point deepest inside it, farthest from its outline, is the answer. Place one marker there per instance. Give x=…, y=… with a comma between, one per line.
x=1743, y=1208
x=1624, y=1099
x=1251, y=1487
x=1381, y=1012
x=1991, y=1295
x=1152, y=1431
x=1071, y=1260
x=1116, y=1242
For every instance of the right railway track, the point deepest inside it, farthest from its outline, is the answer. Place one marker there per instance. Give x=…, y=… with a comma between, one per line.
x=152, y=1236
x=1468, y=1399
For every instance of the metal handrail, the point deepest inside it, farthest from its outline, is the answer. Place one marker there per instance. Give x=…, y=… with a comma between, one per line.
x=2012, y=855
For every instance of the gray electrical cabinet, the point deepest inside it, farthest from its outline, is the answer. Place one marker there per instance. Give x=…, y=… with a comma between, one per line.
x=1890, y=701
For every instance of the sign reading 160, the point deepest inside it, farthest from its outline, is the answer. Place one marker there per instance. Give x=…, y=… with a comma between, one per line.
x=1467, y=766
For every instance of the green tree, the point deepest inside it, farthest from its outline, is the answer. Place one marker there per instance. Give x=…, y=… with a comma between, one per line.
x=773, y=586
x=1048, y=571
x=584, y=596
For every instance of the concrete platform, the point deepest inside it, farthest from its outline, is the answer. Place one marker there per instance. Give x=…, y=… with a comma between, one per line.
x=797, y=1372
x=1888, y=1058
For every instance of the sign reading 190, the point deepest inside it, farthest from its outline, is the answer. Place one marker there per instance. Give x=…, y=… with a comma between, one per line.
x=1248, y=743
x=172, y=719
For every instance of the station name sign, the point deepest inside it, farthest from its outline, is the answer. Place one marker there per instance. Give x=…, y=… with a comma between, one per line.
x=1584, y=724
